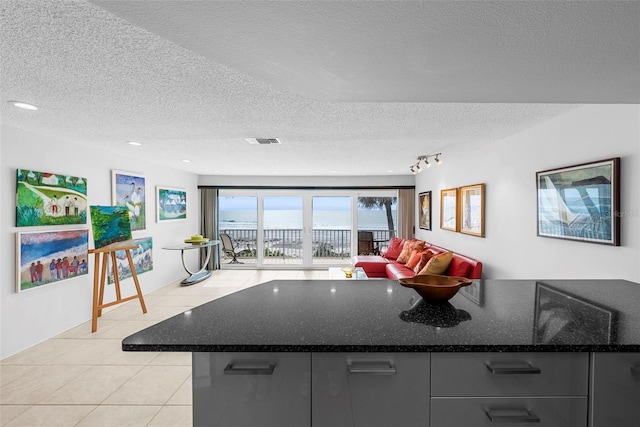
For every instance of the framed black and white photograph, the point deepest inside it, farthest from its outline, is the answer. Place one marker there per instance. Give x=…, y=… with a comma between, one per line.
x=424, y=213
x=580, y=202
x=563, y=318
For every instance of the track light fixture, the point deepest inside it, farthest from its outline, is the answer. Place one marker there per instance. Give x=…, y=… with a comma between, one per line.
x=416, y=168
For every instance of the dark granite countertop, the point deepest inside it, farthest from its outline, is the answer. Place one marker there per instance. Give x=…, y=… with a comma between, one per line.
x=383, y=316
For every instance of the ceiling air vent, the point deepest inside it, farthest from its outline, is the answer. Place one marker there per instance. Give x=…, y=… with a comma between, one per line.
x=263, y=141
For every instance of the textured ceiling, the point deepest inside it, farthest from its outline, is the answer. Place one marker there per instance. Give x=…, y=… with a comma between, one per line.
x=351, y=88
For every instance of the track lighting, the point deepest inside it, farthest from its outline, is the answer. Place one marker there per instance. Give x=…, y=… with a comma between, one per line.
x=417, y=168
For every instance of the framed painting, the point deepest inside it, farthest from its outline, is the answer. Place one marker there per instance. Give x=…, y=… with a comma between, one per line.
x=44, y=198
x=47, y=257
x=472, y=210
x=563, y=318
x=142, y=260
x=449, y=209
x=128, y=190
x=580, y=202
x=110, y=224
x=424, y=215
x=171, y=204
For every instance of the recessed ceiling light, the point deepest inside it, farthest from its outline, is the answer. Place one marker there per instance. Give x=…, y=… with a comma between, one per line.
x=389, y=171
x=276, y=172
x=136, y=143
x=334, y=171
x=23, y=105
x=186, y=161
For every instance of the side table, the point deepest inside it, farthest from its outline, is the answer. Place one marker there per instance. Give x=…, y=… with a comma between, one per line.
x=203, y=273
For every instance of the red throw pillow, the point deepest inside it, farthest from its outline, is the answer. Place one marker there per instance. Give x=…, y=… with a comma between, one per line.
x=425, y=256
x=414, y=259
x=408, y=248
x=395, y=247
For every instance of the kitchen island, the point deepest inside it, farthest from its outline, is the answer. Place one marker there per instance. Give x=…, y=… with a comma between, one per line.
x=372, y=353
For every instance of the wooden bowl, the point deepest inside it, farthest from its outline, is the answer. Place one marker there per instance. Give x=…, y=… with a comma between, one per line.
x=432, y=287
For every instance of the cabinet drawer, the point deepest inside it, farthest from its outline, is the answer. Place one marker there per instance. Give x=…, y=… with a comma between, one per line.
x=251, y=389
x=370, y=389
x=616, y=390
x=509, y=412
x=509, y=374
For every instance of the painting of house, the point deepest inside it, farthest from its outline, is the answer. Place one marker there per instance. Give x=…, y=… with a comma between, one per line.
x=44, y=198
x=142, y=259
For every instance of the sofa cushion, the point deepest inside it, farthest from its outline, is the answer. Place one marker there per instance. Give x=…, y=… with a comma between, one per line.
x=438, y=264
x=373, y=265
x=408, y=248
x=414, y=259
x=458, y=267
x=425, y=256
x=395, y=247
x=397, y=271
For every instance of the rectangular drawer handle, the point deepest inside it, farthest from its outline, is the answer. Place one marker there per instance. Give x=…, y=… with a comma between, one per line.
x=385, y=368
x=511, y=416
x=255, y=368
x=512, y=368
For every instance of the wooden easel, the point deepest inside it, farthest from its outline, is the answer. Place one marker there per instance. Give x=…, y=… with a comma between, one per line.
x=100, y=276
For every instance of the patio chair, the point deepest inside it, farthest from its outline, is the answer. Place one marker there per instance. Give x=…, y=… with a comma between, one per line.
x=230, y=249
x=365, y=243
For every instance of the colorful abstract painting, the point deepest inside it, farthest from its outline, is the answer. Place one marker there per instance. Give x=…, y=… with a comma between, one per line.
x=46, y=257
x=44, y=198
x=128, y=190
x=172, y=204
x=142, y=259
x=110, y=224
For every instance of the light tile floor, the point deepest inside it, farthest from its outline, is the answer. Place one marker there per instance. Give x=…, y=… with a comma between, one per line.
x=79, y=378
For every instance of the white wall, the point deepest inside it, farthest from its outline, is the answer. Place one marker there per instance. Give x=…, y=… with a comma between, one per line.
x=308, y=181
x=36, y=315
x=511, y=248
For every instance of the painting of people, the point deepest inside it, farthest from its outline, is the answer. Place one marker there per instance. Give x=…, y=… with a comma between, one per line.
x=46, y=257
x=110, y=224
x=142, y=259
x=44, y=198
x=128, y=190
x=172, y=204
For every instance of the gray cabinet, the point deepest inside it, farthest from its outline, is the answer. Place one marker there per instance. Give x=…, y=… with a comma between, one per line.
x=509, y=412
x=370, y=389
x=251, y=389
x=477, y=389
x=615, y=393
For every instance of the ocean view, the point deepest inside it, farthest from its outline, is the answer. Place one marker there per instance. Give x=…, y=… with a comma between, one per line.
x=292, y=219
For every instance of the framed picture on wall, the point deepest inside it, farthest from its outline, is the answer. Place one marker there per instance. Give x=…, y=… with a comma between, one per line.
x=47, y=257
x=424, y=213
x=449, y=209
x=580, y=202
x=472, y=210
x=128, y=189
x=171, y=204
x=44, y=198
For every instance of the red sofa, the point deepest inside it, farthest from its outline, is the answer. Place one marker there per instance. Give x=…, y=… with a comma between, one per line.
x=381, y=267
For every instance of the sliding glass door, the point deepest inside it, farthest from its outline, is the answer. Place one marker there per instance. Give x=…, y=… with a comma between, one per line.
x=332, y=219
x=301, y=229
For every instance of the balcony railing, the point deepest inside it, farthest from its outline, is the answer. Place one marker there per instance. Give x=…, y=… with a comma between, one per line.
x=288, y=243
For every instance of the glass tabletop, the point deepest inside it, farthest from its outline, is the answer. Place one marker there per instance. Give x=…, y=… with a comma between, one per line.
x=184, y=246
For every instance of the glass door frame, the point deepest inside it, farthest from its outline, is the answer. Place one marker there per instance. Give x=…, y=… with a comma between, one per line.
x=307, y=215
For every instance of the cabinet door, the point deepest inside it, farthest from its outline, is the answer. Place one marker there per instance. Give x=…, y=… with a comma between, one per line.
x=509, y=374
x=370, y=389
x=615, y=393
x=251, y=389
x=509, y=412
